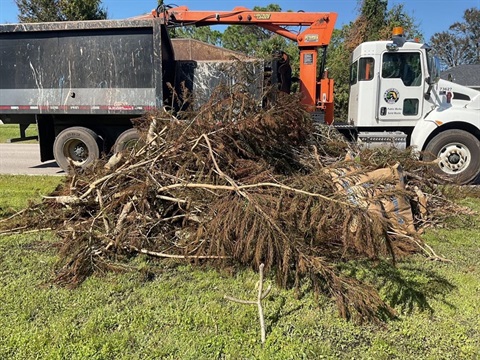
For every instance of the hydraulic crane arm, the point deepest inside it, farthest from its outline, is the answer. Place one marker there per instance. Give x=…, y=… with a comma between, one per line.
x=317, y=93
x=318, y=32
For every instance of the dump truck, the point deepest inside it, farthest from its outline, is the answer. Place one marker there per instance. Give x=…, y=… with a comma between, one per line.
x=81, y=83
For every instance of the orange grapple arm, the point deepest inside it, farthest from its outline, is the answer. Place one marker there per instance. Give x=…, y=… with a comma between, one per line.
x=317, y=92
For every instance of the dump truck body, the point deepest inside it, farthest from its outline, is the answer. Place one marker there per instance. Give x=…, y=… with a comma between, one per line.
x=98, y=67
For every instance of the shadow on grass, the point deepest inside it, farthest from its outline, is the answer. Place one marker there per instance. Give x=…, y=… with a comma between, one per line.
x=280, y=310
x=406, y=287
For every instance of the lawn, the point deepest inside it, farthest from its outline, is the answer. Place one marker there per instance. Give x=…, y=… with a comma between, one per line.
x=161, y=310
x=11, y=131
x=17, y=191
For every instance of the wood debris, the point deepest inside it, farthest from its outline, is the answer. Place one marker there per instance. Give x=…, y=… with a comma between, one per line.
x=239, y=183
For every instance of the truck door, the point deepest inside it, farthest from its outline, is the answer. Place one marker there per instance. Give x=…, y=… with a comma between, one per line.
x=400, y=96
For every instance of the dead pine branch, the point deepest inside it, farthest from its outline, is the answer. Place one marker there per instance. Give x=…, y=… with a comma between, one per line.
x=261, y=295
x=427, y=249
x=14, y=215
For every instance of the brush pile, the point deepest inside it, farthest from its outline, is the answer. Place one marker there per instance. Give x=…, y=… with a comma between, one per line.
x=237, y=184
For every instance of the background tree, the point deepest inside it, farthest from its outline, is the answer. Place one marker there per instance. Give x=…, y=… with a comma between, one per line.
x=248, y=39
x=451, y=51
x=369, y=23
x=338, y=65
x=461, y=43
x=37, y=10
x=60, y=10
x=75, y=10
x=203, y=33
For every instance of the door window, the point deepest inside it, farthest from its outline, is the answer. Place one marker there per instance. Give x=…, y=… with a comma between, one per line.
x=410, y=107
x=353, y=73
x=404, y=66
x=365, y=69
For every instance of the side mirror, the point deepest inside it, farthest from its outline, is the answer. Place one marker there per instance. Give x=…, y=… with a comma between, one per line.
x=427, y=95
x=434, y=68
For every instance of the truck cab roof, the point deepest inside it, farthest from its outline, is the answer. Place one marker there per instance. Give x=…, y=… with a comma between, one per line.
x=371, y=48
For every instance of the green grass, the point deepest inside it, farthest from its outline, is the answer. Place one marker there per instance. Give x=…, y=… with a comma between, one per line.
x=11, y=131
x=157, y=311
x=16, y=191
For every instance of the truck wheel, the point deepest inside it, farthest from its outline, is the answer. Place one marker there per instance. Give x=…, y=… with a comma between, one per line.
x=458, y=153
x=127, y=140
x=76, y=146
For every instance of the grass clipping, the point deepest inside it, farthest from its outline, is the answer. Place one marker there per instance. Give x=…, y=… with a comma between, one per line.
x=238, y=184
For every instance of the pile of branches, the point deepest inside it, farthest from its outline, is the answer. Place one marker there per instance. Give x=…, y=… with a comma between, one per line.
x=235, y=183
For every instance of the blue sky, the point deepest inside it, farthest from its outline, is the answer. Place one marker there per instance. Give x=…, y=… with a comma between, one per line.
x=431, y=15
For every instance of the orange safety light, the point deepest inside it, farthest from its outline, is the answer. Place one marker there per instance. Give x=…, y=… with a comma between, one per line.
x=397, y=31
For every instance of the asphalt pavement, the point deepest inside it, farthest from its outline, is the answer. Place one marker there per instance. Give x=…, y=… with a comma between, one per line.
x=24, y=159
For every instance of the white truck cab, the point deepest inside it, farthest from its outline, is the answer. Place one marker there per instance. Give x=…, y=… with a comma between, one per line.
x=396, y=96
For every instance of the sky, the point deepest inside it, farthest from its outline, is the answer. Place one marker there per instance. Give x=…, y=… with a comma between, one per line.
x=432, y=16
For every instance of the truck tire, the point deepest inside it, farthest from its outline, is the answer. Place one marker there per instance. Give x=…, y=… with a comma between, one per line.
x=76, y=146
x=458, y=153
x=127, y=140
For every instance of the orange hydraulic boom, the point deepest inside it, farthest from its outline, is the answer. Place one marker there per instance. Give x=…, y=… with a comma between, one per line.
x=317, y=90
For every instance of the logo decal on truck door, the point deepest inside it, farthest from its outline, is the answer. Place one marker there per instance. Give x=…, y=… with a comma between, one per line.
x=391, y=96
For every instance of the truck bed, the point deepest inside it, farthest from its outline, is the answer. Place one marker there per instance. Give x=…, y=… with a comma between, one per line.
x=96, y=67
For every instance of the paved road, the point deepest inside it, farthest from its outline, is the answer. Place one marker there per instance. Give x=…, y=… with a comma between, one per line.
x=24, y=159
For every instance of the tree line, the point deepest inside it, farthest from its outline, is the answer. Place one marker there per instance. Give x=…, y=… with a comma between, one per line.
x=60, y=10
